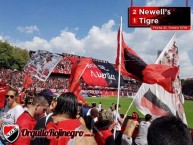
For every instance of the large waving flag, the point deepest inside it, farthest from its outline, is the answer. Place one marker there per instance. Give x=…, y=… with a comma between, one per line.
x=99, y=73
x=133, y=66
x=41, y=64
x=153, y=99
x=92, y=72
x=76, y=74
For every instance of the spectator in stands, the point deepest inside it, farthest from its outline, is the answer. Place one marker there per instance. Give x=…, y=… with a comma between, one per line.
x=60, y=83
x=85, y=110
x=191, y=131
x=80, y=113
x=168, y=130
x=27, y=98
x=65, y=118
x=26, y=119
x=41, y=124
x=112, y=107
x=103, y=127
x=22, y=96
x=92, y=119
x=51, y=98
x=93, y=106
x=131, y=125
x=141, y=138
x=100, y=106
x=11, y=112
x=119, y=122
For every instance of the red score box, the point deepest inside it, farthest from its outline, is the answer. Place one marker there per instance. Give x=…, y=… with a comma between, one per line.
x=144, y=16
x=159, y=16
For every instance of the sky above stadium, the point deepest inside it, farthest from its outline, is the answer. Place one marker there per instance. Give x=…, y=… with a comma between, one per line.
x=89, y=28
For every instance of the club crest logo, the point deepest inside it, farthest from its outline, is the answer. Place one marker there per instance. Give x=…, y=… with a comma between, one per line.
x=11, y=132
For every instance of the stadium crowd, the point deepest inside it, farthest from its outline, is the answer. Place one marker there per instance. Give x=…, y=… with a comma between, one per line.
x=16, y=78
x=49, y=119
x=63, y=67
x=60, y=83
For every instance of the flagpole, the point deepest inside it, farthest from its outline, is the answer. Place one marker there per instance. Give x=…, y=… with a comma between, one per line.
x=131, y=3
x=119, y=76
x=128, y=109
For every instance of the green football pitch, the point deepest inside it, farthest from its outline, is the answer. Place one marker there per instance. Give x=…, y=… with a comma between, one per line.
x=125, y=102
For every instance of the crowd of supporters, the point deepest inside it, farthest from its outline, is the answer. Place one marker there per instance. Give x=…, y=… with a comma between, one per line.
x=16, y=78
x=63, y=67
x=60, y=83
x=63, y=120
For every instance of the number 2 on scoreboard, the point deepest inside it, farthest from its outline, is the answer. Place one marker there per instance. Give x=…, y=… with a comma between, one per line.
x=134, y=12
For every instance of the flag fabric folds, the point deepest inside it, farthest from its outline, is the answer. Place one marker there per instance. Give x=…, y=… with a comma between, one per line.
x=77, y=71
x=153, y=99
x=3, y=91
x=41, y=64
x=99, y=73
x=27, y=81
x=133, y=66
x=93, y=73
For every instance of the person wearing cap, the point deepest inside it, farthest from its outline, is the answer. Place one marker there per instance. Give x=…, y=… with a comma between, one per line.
x=141, y=138
x=131, y=125
x=41, y=124
x=51, y=98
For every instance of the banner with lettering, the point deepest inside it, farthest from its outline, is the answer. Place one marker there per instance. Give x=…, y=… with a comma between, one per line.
x=99, y=73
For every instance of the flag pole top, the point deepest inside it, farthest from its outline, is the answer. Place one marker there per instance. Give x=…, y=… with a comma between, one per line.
x=186, y=3
x=131, y=3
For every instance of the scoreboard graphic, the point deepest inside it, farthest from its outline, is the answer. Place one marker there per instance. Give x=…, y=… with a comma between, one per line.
x=160, y=18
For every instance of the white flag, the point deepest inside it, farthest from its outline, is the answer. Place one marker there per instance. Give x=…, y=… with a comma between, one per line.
x=153, y=99
x=41, y=64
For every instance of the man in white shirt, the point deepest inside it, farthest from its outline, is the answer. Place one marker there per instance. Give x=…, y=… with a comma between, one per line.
x=141, y=138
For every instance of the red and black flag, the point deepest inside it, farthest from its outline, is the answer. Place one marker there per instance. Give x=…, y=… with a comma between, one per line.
x=100, y=73
x=154, y=100
x=133, y=66
x=155, y=105
x=97, y=73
